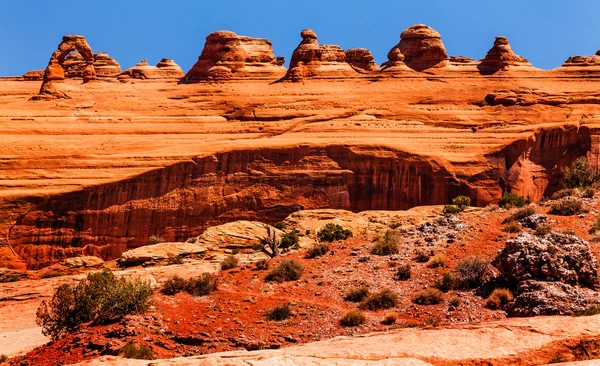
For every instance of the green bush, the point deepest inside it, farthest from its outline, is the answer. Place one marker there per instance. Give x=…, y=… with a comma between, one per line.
x=471, y=271
x=422, y=255
x=99, y=298
x=262, y=265
x=568, y=207
x=386, y=244
x=579, y=174
x=333, y=232
x=430, y=296
x=512, y=227
x=173, y=285
x=595, y=226
x=357, y=294
x=513, y=200
x=229, y=262
x=567, y=192
x=389, y=319
x=588, y=193
x=155, y=239
x=499, y=298
x=290, y=240
x=446, y=283
x=279, y=313
x=317, y=250
x=520, y=213
x=288, y=270
x=592, y=310
x=543, y=230
x=9, y=278
x=353, y=318
x=201, y=285
x=453, y=209
x=138, y=352
x=281, y=225
x=403, y=272
x=438, y=260
x=462, y=201
x=383, y=299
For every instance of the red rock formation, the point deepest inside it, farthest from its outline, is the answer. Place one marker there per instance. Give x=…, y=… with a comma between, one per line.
x=582, y=65
x=55, y=72
x=361, y=59
x=104, y=65
x=421, y=47
x=165, y=69
x=229, y=56
x=34, y=75
x=501, y=58
x=311, y=60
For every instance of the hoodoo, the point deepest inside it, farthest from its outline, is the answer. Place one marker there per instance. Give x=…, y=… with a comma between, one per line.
x=420, y=48
x=229, y=56
x=501, y=58
x=165, y=69
x=311, y=60
x=55, y=72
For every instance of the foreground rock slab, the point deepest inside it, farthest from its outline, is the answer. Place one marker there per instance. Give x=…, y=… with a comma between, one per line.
x=533, y=341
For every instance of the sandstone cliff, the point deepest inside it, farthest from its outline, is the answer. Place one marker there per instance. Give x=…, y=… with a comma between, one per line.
x=229, y=56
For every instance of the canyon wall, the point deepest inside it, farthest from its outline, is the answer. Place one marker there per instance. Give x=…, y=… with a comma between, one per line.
x=182, y=200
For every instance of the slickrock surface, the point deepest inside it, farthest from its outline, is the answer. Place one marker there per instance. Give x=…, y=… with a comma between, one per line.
x=165, y=69
x=507, y=342
x=229, y=56
x=502, y=58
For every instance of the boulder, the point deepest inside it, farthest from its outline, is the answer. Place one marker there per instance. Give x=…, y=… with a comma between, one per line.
x=165, y=69
x=421, y=47
x=34, y=75
x=501, y=58
x=235, y=235
x=229, y=56
x=361, y=59
x=159, y=252
x=87, y=261
x=311, y=60
x=553, y=257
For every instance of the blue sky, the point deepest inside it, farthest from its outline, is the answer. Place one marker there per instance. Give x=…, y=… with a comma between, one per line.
x=546, y=31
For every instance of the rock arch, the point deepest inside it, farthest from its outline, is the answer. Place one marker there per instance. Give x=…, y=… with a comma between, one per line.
x=55, y=70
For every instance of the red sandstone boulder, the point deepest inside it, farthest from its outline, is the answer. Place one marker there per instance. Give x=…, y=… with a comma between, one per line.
x=361, y=59
x=501, y=58
x=34, y=75
x=165, y=69
x=421, y=47
x=229, y=56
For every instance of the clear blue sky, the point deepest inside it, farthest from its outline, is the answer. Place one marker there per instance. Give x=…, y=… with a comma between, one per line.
x=545, y=31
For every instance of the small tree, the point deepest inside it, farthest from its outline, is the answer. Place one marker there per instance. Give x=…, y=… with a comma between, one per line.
x=579, y=174
x=270, y=243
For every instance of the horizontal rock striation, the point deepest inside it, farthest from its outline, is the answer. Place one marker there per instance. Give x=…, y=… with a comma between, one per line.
x=229, y=56
x=165, y=69
x=104, y=65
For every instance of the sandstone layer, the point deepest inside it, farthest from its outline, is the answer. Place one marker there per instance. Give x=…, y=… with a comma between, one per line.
x=229, y=56
x=165, y=69
x=104, y=65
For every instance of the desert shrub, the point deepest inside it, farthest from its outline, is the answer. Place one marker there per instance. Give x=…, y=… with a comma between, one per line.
x=509, y=199
x=389, y=319
x=520, y=213
x=568, y=231
x=3, y=358
x=317, y=250
x=438, y=260
x=499, y=298
x=543, y=230
x=595, y=226
x=201, y=285
x=290, y=240
x=279, y=313
x=383, y=299
x=287, y=270
x=262, y=265
x=568, y=207
x=99, y=298
x=462, y=201
x=281, y=225
x=446, y=283
x=512, y=226
x=454, y=301
x=567, y=192
x=386, y=244
x=175, y=260
x=9, y=278
x=173, y=285
x=579, y=174
x=453, y=209
x=588, y=193
x=592, y=310
x=353, y=318
x=423, y=255
x=471, y=271
x=155, y=239
x=402, y=272
x=333, y=232
x=357, y=294
x=229, y=262
x=138, y=352
x=430, y=296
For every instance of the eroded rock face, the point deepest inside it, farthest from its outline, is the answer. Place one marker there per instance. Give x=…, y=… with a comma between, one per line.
x=528, y=97
x=421, y=47
x=229, y=56
x=361, y=59
x=235, y=235
x=159, y=252
x=311, y=60
x=165, y=69
x=501, y=58
x=34, y=75
x=104, y=65
x=55, y=71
